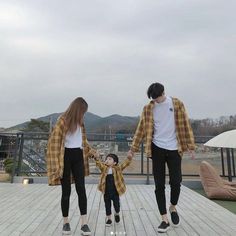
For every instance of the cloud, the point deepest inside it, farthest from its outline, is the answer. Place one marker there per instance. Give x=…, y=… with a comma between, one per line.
x=110, y=51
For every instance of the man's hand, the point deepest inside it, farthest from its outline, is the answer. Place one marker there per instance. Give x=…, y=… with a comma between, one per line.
x=130, y=155
x=192, y=154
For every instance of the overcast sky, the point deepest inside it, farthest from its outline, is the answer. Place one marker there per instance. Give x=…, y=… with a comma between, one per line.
x=109, y=52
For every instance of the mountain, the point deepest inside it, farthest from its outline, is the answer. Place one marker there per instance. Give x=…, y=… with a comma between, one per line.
x=90, y=118
x=114, y=123
x=126, y=124
x=94, y=123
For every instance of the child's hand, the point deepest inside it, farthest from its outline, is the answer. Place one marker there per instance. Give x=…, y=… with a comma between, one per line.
x=96, y=155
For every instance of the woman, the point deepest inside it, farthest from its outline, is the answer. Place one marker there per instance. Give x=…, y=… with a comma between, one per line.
x=67, y=155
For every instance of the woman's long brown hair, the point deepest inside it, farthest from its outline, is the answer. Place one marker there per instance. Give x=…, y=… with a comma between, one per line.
x=74, y=115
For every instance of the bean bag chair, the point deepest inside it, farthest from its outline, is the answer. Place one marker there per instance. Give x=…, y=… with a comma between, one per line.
x=214, y=186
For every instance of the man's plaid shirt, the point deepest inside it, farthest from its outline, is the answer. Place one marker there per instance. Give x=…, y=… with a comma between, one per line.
x=145, y=129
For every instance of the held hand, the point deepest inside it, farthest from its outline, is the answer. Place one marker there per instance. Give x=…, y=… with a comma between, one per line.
x=192, y=154
x=96, y=155
x=130, y=155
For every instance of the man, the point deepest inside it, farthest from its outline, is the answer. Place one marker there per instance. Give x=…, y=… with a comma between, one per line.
x=165, y=127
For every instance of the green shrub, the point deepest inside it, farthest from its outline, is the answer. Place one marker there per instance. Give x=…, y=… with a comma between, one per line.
x=8, y=165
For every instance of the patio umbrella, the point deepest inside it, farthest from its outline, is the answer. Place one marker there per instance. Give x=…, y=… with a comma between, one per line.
x=225, y=140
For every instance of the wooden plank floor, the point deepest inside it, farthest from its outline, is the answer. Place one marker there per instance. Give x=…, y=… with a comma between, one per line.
x=35, y=210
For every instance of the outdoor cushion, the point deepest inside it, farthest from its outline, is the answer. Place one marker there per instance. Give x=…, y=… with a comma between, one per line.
x=214, y=186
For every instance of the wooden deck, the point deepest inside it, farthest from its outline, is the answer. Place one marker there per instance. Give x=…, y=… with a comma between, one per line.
x=35, y=210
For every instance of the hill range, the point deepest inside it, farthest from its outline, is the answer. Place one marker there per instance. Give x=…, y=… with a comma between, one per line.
x=94, y=123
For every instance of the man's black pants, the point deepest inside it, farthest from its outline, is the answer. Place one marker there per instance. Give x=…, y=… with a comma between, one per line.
x=160, y=157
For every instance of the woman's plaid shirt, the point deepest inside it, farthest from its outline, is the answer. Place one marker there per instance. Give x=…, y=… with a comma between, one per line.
x=145, y=129
x=117, y=173
x=56, y=149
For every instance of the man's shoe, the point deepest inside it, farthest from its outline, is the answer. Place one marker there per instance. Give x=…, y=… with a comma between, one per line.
x=174, y=218
x=117, y=218
x=85, y=230
x=108, y=222
x=66, y=229
x=163, y=227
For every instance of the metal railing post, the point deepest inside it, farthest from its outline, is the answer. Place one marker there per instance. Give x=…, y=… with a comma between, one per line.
x=233, y=161
x=15, y=158
x=229, y=164
x=20, y=155
x=142, y=151
x=148, y=174
x=222, y=161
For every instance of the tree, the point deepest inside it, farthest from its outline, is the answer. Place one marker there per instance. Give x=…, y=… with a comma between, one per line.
x=37, y=126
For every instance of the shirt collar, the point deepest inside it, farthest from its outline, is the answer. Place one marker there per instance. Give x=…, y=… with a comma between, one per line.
x=151, y=104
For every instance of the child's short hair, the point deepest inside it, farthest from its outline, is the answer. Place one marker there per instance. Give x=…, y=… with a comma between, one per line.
x=114, y=157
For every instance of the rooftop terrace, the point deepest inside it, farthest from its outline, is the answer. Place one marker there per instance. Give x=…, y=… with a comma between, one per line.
x=34, y=209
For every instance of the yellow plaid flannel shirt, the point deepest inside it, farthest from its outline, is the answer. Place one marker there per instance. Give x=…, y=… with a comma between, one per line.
x=56, y=149
x=117, y=173
x=145, y=129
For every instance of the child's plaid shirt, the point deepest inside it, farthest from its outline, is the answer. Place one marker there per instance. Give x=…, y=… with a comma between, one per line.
x=117, y=173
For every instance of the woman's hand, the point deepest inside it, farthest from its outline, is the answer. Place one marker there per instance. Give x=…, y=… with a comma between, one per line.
x=96, y=155
x=192, y=154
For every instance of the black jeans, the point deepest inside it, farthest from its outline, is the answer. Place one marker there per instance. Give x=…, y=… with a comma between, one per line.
x=73, y=162
x=111, y=194
x=160, y=157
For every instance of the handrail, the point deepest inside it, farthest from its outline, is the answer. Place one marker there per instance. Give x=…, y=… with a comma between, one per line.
x=20, y=150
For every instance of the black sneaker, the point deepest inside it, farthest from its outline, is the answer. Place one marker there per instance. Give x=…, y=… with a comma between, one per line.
x=66, y=229
x=174, y=218
x=163, y=227
x=108, y=222
x=117, y=218
x=85, y=230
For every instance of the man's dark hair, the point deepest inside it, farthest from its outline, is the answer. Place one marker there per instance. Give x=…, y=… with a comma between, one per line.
x=114, y=157
x=155, y=90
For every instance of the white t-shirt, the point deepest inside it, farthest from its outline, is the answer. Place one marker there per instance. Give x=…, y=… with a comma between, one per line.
x=74, y=140
x=110, y=171
x=164, y=125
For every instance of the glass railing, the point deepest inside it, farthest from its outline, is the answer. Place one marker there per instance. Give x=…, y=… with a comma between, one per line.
x=28, y=151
